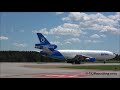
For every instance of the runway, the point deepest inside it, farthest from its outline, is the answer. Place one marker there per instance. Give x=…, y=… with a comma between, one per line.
x=52, y=70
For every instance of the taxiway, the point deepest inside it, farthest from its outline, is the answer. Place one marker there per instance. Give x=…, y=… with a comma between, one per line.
x=52, y=70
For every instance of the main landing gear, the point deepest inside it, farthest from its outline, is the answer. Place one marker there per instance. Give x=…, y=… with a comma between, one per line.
x=76, y=62
x=104, y=61
x=78, y=59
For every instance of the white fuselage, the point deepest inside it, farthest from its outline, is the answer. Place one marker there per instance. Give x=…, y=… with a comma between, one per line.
x=98, y=54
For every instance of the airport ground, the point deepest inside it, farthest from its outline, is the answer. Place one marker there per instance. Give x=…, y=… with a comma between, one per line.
x=53, y=70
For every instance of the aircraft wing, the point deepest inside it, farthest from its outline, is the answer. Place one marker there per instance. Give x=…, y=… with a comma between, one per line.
x=82, y=57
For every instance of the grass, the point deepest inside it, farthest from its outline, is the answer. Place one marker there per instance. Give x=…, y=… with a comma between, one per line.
x=98, y=67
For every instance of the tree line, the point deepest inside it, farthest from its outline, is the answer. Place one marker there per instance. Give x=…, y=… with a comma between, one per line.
x=30, y=56
x=24, y=56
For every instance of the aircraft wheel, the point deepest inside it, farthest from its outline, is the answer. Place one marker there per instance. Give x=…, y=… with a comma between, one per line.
x=78, y=62
x=104, y=62
x=73, y=62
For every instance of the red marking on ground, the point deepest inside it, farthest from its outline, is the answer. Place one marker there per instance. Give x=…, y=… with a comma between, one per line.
x=62, y=75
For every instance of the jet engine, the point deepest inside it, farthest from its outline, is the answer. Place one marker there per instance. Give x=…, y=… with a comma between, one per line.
x=92, y=59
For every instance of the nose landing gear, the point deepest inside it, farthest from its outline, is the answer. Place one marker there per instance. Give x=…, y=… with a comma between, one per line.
x=104, y=61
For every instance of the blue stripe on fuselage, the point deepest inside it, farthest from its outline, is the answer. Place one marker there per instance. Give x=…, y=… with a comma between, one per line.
x=56, y=55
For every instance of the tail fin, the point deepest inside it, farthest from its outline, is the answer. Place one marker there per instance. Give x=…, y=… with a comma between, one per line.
x=42, y=39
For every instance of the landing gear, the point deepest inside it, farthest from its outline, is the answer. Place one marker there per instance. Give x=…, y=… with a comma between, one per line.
x=76, y=62
x=104, y=61
x=77, y=59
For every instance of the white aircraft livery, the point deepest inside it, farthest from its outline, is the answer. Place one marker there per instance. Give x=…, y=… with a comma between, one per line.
x=72, y=56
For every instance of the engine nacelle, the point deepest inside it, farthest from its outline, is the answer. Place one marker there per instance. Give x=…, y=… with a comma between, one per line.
x=92, y=59
x=39, y=46
x=50, y=46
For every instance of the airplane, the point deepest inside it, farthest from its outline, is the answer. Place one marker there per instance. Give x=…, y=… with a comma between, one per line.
x=71, y=56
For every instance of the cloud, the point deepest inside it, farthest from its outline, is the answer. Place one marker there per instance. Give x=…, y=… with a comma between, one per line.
x=3, y=38
x=72, y=40
x=103, y=35
x=61, y=30
x=69, y=25
x=76, y=16
x=98, y=21
x=109, y=29
x=115, y=17
x=56, y=42
x=93, y=41
x=43, y=31
x=67, y=42
x=78, y=23
x=59, y=13
x=118, y=13
x=95, y=36
x=20, y=44
x=98, y=36
x=65, y=29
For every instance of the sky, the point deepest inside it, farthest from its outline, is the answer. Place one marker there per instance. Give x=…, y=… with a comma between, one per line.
x=68, y=30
